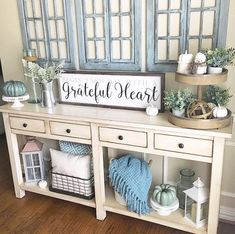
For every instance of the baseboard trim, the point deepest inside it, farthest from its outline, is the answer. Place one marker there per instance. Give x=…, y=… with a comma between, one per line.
x=227, y=213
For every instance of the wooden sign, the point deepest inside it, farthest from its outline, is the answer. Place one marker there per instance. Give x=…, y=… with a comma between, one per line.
x=121, y=90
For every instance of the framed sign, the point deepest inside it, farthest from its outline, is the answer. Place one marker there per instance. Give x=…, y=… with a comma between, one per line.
x=120, y=90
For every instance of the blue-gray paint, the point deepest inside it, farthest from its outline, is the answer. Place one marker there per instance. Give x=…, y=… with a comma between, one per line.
x=218, y=37
x=69, y=41
x=108, y=63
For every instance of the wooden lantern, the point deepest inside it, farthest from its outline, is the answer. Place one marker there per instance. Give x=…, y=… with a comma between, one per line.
x=32, y=155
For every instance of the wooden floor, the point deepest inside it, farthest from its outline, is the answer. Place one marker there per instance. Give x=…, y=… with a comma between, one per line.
x=39, y=214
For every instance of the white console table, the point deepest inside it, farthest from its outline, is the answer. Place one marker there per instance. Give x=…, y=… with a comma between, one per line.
x=119, y=129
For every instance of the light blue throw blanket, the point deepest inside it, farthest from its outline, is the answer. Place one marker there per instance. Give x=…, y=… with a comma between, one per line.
x=131, y=178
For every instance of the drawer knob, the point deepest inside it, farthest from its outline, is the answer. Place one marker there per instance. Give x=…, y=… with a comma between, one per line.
x=181, y=145
x=68, y=130
x=120, y=137
x=25, y=125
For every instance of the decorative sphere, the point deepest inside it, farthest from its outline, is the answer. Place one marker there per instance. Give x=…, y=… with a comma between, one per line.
x=199, y=110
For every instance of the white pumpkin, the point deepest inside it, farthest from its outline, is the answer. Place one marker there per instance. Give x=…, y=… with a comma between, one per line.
x=152, y=110
x=42, y=184
x=200, y=58
x=220, y=112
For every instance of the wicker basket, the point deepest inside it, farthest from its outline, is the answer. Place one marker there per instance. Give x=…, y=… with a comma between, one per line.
x=72, y=185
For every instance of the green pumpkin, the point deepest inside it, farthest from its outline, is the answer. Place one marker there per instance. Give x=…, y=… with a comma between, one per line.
x=13, y=88
x=164, y=194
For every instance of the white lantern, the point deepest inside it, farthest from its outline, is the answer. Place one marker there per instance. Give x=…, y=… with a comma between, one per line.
x=32, y=155
x=197, y=199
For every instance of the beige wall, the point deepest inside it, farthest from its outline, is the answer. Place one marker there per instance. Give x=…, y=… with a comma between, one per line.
x=11, y=53
x=10, y=40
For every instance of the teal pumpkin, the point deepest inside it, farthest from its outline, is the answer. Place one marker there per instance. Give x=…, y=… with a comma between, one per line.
x=164, y=194
x=13, y=88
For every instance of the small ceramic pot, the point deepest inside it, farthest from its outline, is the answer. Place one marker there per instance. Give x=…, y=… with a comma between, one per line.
x=201, y=70
x=179, y=113
x=119, y=199
x=215, y=70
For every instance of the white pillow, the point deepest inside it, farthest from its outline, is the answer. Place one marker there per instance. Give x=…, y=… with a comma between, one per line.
x=68, y=164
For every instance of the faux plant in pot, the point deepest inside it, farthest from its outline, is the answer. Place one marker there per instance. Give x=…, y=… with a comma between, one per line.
x=44, y=75
x=220, y=97
x=219, y=58
x=178, y=101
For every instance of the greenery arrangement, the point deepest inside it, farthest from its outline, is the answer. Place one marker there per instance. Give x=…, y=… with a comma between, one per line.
x=42, y=74
x=178, y=99
x=219, y=57
x=217, y=95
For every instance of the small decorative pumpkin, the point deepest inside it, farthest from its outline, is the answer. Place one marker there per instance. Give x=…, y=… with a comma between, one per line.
x=152, y=110
x=220, y=112
x=13, y=88
x=164, y=194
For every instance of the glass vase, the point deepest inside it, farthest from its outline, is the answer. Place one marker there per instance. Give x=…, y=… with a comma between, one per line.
x=33, y=89
x=185, y=182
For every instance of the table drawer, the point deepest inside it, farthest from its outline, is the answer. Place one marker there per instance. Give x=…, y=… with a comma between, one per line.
x=183, y=144
x=121, y=136
x=31, y=125
x=70, y=130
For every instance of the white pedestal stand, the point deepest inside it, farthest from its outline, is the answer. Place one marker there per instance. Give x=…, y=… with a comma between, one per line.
x=16, y=100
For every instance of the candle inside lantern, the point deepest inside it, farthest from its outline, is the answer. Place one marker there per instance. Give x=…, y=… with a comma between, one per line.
x=194, y=212
x=185, y=63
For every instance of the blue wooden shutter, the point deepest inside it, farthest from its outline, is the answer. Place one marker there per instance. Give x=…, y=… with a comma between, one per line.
x=47, y=27
x=201, y=24
x=109, y=34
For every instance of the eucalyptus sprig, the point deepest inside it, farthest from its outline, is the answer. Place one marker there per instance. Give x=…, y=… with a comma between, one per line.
x=44, y=73
x=178, y=99
x=217, y=95
x=219, y=57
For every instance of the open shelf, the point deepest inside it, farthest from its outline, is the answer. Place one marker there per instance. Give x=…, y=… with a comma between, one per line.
x=46, y=192
x=174, y=220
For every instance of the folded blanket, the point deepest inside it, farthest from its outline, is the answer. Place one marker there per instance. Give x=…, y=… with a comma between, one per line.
x=131, y=178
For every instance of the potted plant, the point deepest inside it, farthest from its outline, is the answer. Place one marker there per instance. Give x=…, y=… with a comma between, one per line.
x=218, y=58
x=178, y=100
x=219, y=97
x=44, y=75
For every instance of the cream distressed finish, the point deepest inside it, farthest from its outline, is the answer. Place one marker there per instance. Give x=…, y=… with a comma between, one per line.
x=70, y=130
x=189, y=145
x=119, y=129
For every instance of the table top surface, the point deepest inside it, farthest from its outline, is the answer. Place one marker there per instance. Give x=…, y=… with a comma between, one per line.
x=110, y=116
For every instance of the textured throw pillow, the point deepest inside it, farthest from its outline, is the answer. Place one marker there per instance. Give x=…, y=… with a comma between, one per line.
x=68, y=164
x=75, y=148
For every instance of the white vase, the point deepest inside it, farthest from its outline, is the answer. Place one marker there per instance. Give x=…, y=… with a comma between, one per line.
x=215, y=70
x=179, y=113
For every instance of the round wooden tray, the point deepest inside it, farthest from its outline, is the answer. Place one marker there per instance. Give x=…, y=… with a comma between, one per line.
x=205, y=79
x=200, y=123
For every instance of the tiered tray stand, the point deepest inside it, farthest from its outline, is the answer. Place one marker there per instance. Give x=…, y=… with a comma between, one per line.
x=200, y=81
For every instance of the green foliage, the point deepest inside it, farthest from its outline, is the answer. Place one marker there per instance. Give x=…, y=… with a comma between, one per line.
x=217, y=95
x=219, y=57
x=40, y=74
x=178, y=99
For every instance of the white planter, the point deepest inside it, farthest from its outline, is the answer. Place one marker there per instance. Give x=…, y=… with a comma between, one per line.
x=215, y=70
x=119, y=199
x=201, y=70
x=179, y=113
